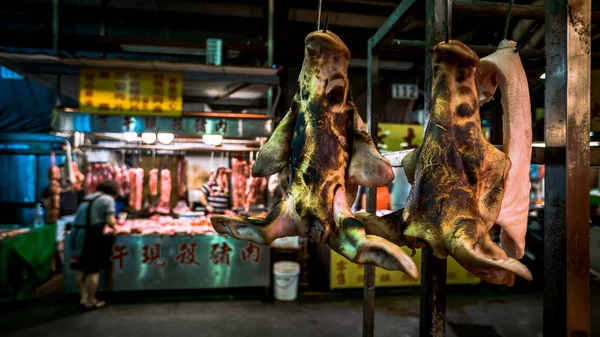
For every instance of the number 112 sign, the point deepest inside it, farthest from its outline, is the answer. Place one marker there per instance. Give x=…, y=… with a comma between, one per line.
x=405, y=91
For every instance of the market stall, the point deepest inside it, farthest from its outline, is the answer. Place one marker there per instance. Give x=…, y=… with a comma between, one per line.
x=163, y=238
x=175, y=170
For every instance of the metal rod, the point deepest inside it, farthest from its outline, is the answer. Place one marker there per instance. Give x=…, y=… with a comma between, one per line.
x=371, y=207
x=507, y=20
x=447, y=19
x=432, y=319
x=386, y=32
x=537, y=155
x=418, y=46
x=319, y=15
x=567, y=125
x=326, y=23
x=526, y=38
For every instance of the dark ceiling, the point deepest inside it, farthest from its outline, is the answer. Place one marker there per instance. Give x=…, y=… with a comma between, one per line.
x=105, y=26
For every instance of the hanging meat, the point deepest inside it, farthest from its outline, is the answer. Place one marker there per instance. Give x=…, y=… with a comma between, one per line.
x=324, y=141
x=79, y=177
x=457, y=178
x=504, y=69
x=239, y=179
x=153, y=181
x=136, y=179
x=255, y=190
x=181, y=177
x=165, y=192
x=69, y=175
x=53, y=194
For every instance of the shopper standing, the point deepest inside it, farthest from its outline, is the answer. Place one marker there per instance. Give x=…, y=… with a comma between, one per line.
x=89, y=249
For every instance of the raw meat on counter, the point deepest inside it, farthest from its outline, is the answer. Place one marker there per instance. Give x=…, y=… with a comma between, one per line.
x=255, y=190
x=163, y=225
x=324, y=141
x=504, y=69
x=181, y=207
x=136, y=179
x=153, y=181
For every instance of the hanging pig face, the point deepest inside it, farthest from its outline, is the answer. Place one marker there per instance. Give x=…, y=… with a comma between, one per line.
x=323, y=141
x=457, y=178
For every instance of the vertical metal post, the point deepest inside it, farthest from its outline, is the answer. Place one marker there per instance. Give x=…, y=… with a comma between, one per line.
x=371, y=207
x=567, y=160
x=271, y=52
x=56, y=46
x=432, y=319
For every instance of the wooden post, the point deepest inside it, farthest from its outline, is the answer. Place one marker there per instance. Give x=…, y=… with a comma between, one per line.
x=567, y=126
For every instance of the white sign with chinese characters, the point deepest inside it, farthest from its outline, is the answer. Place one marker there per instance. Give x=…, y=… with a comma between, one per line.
x=405, y=91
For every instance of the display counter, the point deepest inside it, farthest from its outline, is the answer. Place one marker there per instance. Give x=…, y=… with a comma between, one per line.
x=180, y=261
x=26, y=260
x=344, y=274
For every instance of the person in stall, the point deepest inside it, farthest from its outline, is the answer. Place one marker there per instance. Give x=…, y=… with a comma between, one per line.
x=90, y=249
x=215, y=193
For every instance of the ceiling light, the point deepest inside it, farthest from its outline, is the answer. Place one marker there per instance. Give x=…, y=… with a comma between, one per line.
x=212, y=139
x=129, y=136
x=165, y=137
x=543, y=76
x=148, y=137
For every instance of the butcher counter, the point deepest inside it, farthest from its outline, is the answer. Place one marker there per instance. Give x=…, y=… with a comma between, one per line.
x=180, y=261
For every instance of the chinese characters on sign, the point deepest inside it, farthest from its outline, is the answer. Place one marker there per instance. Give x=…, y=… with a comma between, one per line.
x=251, y=253
x=130, y=92
x=187, y=254
x=151, y=255
x=119, y=254
x=220, y=253
x=340, y=267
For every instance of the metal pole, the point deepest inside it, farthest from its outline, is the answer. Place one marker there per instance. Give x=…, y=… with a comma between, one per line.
x=56, y=47
x=270, y=56
x=432, y=320
x=567, y=122
x=371, y=207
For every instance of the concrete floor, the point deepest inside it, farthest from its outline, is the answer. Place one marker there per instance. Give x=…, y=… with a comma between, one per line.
x=474, y=311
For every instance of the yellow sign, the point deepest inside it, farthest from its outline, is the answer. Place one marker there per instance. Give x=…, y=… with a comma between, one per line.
x=397, y=137
x=138, y=93
x=346, y=274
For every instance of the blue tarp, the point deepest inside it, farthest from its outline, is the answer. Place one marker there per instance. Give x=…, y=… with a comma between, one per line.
x=26, y=106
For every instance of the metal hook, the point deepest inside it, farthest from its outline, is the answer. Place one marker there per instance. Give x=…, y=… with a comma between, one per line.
x=319, y=15
x=526, y=38
x=447, y=20
x=507, y=20
x=326, y=23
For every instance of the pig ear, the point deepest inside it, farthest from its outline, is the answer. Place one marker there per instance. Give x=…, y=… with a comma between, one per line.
x=275, y=154
x=351, y=242
x=486, y=81
x=367, y=166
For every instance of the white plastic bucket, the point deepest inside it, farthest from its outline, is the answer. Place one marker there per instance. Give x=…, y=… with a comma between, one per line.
x=285, y=274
